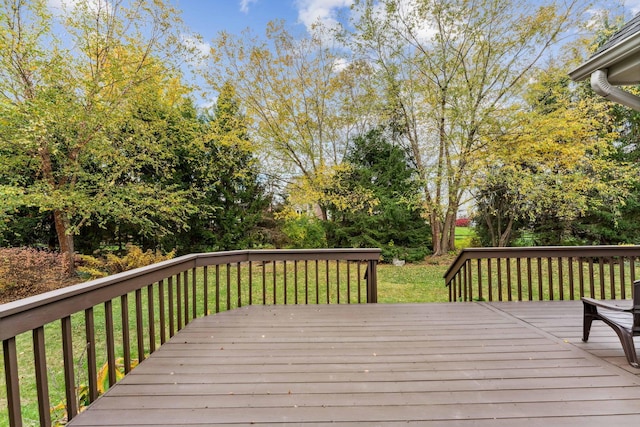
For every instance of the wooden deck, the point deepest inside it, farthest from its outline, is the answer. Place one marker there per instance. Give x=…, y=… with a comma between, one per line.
x=461, y=364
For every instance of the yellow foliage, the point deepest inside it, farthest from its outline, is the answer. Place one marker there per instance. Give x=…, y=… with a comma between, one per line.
x=111, y=264
x=59, y=411
x=326, y=188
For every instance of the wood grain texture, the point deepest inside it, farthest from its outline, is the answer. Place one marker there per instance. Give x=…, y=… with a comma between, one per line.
x=461, y=364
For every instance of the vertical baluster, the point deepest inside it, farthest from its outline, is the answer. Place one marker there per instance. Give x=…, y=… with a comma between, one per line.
x=519, y=277
x=172, y=329
x=529, y=279
x=194, y=294
x=250, y=282
x=306, y=281
x=509, y=285
x=479, y=267
x=581, y=276
x=489, y=279
x=317, y=284
x=560, y=280
x=601, y=271
x=623, y=291
x=275, y=297
x=185, y=283
x=179, y=300
x=592, y=285
x=499, y=268
x=284, y=287
x=612, y=279
x=12, y=381
x=572, y=292
x=239, y=284
x=326, y=274
x=550, y=278
x=90, y=336
x=359, y=284
x=470, y=279
x=228, y=286
x=348, y=282
x=540, y=292
x=161, y=308
x=152, y=319
x=42, y=383
x=264, y=283
x=295, y=280
x=205, y=290
x=218, y=287
x=124, y=315
x=337, y=281
x=139, y=325
x=632, y=273
x=111, y=342
x=464, y=284
x=69, y=374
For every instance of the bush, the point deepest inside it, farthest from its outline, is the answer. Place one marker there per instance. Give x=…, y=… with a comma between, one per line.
x=95, y=267
x=31, y=270
x=463, y=222
x=304, y=232
x=391, y=251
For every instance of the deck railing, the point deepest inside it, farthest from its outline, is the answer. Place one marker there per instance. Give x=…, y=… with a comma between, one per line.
x=543, y=273
x=152, y=303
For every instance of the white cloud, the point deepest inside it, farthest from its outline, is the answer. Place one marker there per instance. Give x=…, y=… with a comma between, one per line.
x=244, y=5
x=340, y=64
x=325, y=12
x=95, y=6
x=198, y=48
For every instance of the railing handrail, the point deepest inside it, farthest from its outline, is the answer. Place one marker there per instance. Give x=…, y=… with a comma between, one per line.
x=27, y=314
x=538, y=252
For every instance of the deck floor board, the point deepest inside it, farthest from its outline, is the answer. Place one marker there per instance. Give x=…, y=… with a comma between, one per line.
x=461, y=364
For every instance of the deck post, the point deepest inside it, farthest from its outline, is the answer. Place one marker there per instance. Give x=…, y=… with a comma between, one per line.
x=372, y=282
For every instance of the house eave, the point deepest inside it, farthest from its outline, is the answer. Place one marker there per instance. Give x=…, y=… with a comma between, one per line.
x=620, y=60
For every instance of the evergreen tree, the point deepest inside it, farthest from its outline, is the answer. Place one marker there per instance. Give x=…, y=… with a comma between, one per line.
x=234, y=199
x=394, y=219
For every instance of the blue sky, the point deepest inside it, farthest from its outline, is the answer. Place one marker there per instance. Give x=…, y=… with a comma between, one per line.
x=208, y=17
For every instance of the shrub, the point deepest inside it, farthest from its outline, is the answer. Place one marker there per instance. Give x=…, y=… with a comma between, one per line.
x=463, y=222
x=95, y=267
x=304, y=232
x=31, y=270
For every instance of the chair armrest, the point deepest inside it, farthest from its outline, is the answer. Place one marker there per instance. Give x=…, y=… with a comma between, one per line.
x=608, y=306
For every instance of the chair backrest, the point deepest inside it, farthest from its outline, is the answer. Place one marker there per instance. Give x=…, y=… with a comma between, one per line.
x=636, y=307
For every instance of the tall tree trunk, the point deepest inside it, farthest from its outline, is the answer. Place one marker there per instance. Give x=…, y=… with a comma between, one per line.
x=436, y=232
x=506, y=234
x=65, y=240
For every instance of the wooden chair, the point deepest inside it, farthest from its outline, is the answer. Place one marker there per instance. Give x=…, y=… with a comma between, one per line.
x=624, y=321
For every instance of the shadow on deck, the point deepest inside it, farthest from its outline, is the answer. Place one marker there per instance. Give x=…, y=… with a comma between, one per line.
x=461, y=364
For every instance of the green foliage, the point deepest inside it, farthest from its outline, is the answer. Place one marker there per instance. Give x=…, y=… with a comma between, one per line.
x=394, y=219
x=304, y=232
x=70, y=108
x=552, y=169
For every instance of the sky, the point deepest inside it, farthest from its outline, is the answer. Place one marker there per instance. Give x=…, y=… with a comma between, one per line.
x=208, y=17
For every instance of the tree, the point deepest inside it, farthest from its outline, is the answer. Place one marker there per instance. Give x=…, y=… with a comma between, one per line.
x=63, y=98
x=393, y=218
x=236, y=193
x=301, y=104
x=551, y=169
x=448, y=69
